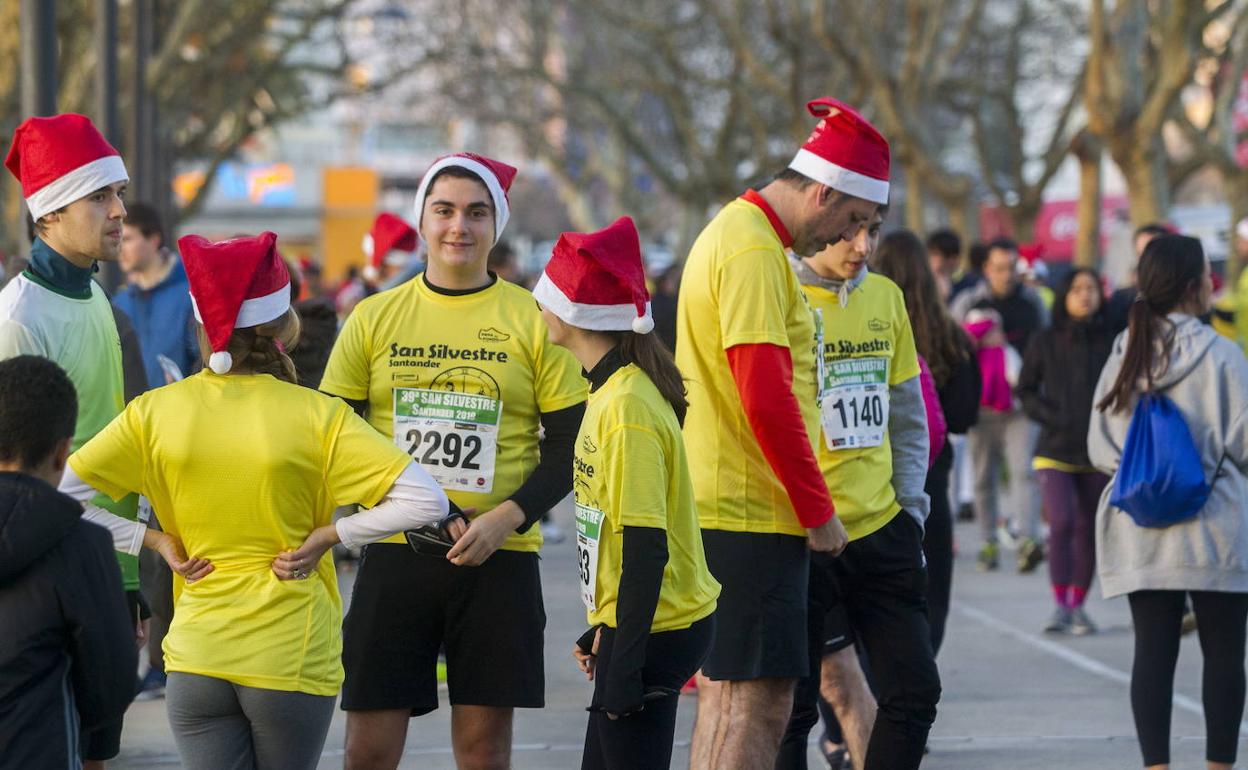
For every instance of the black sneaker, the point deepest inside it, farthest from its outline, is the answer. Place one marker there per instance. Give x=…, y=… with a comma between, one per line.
x=836, y=758
x=1080, y=623
x=1059, y=623
x=966, y=512
x=1030, y=554
x=988, y=558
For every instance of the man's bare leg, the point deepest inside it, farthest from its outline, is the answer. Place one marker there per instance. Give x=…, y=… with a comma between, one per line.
x=740, y=725
x=375, y=738
x=481, y=737
x=844, y=686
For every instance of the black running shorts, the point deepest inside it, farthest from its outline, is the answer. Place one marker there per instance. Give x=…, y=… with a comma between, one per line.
x=407, y=607
x=760, y=622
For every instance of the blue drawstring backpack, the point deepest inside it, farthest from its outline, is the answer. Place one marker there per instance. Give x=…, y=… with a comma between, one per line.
x=1161, y=480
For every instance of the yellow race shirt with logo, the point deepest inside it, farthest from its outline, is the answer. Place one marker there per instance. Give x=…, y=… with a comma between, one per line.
x=459, y=382
x=241, y=468
x=630, y=471
x=738, y=289
x=868, y=346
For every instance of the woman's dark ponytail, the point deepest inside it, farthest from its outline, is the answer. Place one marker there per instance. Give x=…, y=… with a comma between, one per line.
x=651, y=356
x=1171, y=271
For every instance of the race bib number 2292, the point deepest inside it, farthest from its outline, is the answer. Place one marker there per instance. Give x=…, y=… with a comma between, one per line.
x=454, y=436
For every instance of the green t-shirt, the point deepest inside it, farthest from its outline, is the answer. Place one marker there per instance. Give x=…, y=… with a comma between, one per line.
x=79, y=335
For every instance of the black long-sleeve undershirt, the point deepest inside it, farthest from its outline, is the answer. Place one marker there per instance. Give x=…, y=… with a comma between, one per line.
x=551, y=480
x=641, y=578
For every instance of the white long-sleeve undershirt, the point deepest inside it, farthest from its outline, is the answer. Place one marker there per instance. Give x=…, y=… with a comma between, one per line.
x=414, y=500
x=127, y=534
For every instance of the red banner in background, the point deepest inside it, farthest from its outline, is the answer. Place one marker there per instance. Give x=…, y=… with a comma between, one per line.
x=1056, y=224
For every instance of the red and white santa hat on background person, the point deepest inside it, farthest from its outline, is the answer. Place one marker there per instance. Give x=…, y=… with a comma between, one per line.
x=596, y=280
x=390, y=241
x=845, y=152
x=1031, y=261
x=496, y=175
x=61, y=159
x=235, y=284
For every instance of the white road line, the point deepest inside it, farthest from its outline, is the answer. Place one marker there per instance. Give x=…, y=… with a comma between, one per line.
x=1077, y=659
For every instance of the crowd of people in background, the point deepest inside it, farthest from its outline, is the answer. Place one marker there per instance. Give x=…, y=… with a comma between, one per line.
x=766, y=514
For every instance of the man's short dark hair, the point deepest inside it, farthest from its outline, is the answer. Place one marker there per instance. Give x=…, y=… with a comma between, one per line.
x=977, y=256
x=946, y=242
x=147, y=219
x=1154, y=229
x=794, y=178
x=38, y=409
x=1004, y=243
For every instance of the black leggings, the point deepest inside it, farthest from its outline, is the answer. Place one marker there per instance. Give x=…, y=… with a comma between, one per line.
x=1220, y=621
x=938, y=546
x=643, y=740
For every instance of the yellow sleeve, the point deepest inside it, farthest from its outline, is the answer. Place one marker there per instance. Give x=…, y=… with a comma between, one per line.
x=114, y=461
x=639, y=474
x=905, y=357
x=348, y=371
x=753, y=292
x=558, y=383
x=360, y=463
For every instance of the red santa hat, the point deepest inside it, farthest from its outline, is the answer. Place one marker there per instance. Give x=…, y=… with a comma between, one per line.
x=61, y=159
x=595, y=280
x=845, y=152
x=496, y=175
x=1031, y=261
x=390, y=242
x=234, y=284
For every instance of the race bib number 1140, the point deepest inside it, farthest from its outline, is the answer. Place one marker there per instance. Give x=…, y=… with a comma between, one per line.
x=854, y=412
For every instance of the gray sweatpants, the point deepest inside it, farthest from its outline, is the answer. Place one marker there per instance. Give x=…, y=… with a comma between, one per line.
x=219, y=725
x=1008, y=437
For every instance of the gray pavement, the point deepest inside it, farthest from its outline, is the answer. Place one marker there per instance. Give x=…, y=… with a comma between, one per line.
x=1013, y=697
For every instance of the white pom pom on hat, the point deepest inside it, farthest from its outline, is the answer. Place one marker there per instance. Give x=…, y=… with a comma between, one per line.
x=596, y=280
x=221, y=361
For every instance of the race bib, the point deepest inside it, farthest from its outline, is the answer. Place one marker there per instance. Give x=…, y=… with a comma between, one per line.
x=588, y=528
x=454, y=436
x=820, y=366
x=854, y=411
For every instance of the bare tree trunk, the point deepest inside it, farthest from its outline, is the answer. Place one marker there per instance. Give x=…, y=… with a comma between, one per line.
x=1023, y=220
x=915, y=203
x=1148, y=193
x=1087, y=149
x=963, y=217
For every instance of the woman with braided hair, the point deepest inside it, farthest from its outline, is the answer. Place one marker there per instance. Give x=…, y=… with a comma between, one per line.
x=245, y=468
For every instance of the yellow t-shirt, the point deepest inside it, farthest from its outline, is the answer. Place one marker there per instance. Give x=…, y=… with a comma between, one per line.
x=738, y=289
x=868, y=346
x=242, y=467
x=469, y=375
x=630, y=471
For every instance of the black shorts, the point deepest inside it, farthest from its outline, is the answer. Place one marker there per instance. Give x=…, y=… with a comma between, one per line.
x=830, y=630
x=407, y=607
x=760, y=622
x=104, y=742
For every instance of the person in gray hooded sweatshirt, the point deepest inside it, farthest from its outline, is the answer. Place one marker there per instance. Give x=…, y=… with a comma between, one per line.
x=1166, y=349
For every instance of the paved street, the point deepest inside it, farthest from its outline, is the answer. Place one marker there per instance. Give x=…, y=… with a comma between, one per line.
x=1013, y=698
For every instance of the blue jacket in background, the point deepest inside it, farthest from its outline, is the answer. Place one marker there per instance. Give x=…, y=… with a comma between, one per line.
x=165, y=323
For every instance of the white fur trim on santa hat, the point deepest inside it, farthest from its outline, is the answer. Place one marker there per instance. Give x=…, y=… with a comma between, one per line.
x=502, y=210
x=257, y=310
x=78, y=183
x=601, y=318
x=840, y=178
